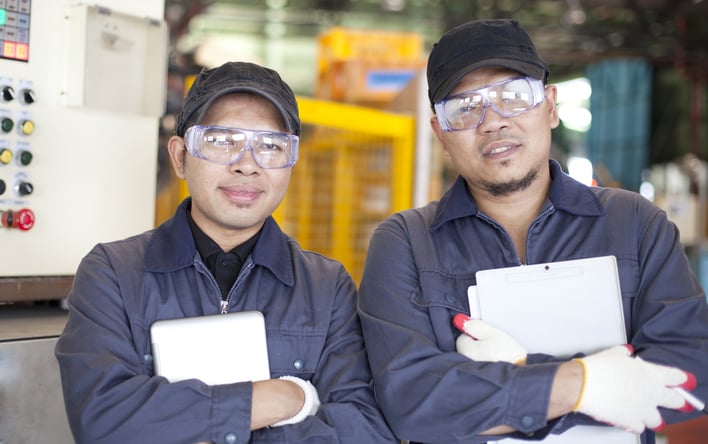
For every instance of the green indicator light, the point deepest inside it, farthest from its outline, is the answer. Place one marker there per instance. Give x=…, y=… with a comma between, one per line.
x=25, y=158
x=3, y=17
x=6, y=124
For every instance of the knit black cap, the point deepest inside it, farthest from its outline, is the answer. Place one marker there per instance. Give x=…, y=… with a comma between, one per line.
x=477, y=44
x=233, y=77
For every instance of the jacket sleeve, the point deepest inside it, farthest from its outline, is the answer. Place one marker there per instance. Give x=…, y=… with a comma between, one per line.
x=669, y=315
x=109, y=394
x=348, y=413
x=666, y=314
x=428, y=391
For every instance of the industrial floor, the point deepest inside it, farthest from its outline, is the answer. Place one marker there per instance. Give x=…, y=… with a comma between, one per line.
x=33, y=323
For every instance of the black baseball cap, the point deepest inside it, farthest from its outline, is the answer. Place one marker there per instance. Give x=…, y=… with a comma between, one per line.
x=233, y=77
x=477, y=44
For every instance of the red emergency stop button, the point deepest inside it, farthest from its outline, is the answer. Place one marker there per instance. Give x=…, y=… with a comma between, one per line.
x=22, y=219
x=25, y=219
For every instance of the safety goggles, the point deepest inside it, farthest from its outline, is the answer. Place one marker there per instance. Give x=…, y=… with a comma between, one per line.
x=226, y=146
x=509, y=98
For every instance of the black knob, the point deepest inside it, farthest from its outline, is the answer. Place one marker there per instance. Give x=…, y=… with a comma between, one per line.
x=2, y=186
x=8, y=93
x=24, y=188
x=28, y=96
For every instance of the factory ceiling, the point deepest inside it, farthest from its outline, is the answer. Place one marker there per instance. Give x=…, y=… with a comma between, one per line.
x=569, y=33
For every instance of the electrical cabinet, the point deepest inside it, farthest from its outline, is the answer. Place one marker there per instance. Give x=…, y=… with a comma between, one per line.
x=82, y=88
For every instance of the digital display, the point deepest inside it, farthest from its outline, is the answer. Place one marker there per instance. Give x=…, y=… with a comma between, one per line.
x=15, y=29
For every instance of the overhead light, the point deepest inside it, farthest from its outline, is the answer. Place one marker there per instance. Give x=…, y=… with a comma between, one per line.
x=580, y=169
x=393, y=5
x=573, y=104
x=276, y=4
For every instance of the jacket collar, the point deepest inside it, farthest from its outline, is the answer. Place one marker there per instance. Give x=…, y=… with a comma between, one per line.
x=566, y=194
x=172, y=247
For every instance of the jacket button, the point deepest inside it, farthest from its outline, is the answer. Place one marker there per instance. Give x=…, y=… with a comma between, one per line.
x=230, y=438
x=298, y=364
x=527, y=421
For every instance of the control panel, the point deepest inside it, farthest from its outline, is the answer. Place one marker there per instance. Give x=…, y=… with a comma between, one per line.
x=79, y=122
x=16, y=120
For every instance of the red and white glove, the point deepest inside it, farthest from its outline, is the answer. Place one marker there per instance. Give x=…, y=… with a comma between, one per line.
x=626, y=391
x=482, y=342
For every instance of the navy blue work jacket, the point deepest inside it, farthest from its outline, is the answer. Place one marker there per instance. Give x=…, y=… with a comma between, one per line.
x=121, y=288
x=421, y=261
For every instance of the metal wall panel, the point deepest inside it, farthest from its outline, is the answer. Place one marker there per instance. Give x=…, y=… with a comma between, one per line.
x=31, y=401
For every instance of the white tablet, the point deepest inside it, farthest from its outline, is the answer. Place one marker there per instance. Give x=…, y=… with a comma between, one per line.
x=557, y=308
x=216, y=349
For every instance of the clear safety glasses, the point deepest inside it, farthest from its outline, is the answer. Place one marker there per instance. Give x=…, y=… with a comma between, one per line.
x=227, y=146
x=509, y=98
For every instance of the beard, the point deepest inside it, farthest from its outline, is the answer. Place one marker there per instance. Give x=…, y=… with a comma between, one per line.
x=501, y=189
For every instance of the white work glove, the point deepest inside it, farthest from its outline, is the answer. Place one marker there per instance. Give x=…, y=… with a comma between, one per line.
x=309, y=407
x=626, y=391
x=482, y=342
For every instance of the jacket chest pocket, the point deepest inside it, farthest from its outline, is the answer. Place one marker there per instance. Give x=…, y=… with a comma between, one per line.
x=441, y=297
x=294, y=353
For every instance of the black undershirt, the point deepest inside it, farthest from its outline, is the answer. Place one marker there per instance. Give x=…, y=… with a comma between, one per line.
x=225, y=266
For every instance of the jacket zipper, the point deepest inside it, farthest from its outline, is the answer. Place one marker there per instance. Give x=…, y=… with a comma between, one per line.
x=241, y=276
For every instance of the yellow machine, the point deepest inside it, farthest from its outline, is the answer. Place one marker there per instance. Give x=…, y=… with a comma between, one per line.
x=355, y=169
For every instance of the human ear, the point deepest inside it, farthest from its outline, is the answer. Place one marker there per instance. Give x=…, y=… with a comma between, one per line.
x=551, y=93
x=436, y=129
x=439, y=134
x=178, y=152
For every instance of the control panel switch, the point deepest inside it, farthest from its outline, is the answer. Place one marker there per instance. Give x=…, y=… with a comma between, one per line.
x=24, y=188
x=27, y=96
x=5, y=156
x=7, y=93
x=6, y=124
x=26, y=127
x=22, y=219
x=24, y=157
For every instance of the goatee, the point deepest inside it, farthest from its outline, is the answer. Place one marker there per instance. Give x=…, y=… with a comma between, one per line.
x=513, y=186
